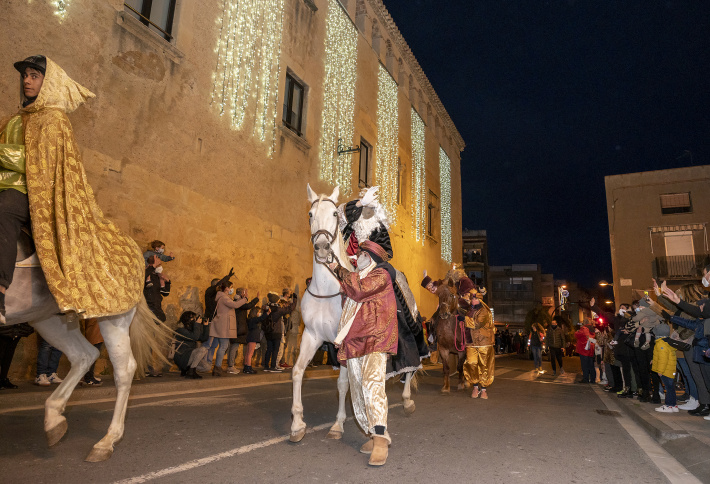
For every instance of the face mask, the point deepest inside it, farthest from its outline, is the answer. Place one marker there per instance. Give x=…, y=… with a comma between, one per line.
x=622, y=312
x=160, y=251
x=706, y=283
x=363, y=261
x=231, y=291
x=159, y=269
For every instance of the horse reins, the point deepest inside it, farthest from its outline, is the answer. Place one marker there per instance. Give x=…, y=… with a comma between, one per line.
x=330, y=236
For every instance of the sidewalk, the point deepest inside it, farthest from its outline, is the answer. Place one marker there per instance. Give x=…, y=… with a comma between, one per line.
x=30, y=396
x=685, y=437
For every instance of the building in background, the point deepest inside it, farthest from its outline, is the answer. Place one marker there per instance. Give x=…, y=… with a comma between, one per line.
x=475, y=256
x=658, y=228
x=514, y=290
x=211, y=117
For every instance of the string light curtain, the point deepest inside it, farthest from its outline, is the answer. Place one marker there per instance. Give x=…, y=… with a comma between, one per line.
x=60, y=8
x=387, y=134
x=418, y=206
x=338, y=98
x=246, y=77
x=445, y=181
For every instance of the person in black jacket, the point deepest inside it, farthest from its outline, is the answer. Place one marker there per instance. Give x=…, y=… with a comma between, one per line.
x=242, y=328
x=274, y=329
x=211, y=295
x=9, y=337
x=188, y=353
x=256, y=318
x=156, y=287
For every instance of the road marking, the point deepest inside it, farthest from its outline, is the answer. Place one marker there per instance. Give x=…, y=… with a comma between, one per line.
x=223, y=455
x=674, y=471
x=198, y=399
x=164, y=394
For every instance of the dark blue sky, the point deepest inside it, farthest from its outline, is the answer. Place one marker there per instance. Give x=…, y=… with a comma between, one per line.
x=550, y=97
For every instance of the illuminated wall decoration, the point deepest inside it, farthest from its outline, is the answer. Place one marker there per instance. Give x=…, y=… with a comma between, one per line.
x=419, y=190
x=387, y=133
x=60, y=8
x=338, y=98
x=445, y=181
x=246, y=77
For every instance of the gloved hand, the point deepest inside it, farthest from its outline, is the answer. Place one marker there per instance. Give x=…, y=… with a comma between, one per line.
x=369, y=197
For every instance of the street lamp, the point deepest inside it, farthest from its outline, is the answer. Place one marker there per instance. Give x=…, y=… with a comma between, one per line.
x=604, y=284
x=608, y=302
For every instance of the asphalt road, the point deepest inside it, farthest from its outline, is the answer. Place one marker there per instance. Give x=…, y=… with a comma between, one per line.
x=531, y=430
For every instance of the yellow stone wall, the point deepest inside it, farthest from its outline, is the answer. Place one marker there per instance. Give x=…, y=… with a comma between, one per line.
x=165, y=166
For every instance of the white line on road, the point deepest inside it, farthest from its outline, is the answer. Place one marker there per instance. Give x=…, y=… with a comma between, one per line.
x=222, y=455
x=163, y=394
x=674, y=471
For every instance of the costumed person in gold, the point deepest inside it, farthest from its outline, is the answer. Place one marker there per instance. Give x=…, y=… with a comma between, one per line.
x=366, y=336
x=479, y=366
x=91, y=268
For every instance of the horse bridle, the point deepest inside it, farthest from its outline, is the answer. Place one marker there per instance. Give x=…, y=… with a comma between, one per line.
x=330, y=236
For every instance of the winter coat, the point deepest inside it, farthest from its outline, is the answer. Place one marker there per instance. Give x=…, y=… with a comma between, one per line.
x=242, y=326
x=664, y=358
x=555, y=337
x=582, y=336
x=154, y=293
x=254, y=325
x=701, y=343
x=186, y=342
x=224, y=324
x=210, y=298
x=274, y=326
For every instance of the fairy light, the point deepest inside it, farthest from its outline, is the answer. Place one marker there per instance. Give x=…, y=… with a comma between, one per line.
x=338, y=97
x=60, y=8
x=445, y=182
x=418, y=177
x=246, y=77
x=387, y=134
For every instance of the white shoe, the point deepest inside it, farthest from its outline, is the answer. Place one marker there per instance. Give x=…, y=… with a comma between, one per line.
x=42, y=380
x=604, y=382
x=232, y=370
x=667, y=409
x=54, y=378
x=691, y=404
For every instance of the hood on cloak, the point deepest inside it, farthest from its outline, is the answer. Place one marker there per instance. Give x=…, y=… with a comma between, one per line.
x=58, y=91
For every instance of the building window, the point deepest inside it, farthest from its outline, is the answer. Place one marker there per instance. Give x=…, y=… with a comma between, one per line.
x=676, y=203
x=432, y=209
x=365, y=176
x=293, y=104
x=157, y=15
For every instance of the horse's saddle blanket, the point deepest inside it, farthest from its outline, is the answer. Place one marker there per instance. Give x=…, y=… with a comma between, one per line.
x=26, y=252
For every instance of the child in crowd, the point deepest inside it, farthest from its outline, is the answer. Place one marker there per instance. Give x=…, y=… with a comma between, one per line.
x=664, y=363
x=157, y=248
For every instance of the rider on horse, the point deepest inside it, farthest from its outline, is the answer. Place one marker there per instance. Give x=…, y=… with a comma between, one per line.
x=92, y=269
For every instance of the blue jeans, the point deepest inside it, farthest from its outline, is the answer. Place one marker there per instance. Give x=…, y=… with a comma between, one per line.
x=587, y=368
x=537, y=355
x=669, y=383
x=47, y=358
x=223, y=345
x=688, y=378
x=272, y=352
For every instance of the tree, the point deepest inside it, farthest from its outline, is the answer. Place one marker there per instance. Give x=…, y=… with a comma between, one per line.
x=538, y=314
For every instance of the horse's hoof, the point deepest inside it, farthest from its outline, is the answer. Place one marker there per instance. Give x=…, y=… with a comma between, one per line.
x=99, y=455
x=297, y=436
x=409, y=409
x=334, y=434
x=460, y=387
x=55, y=434
x=445, y=390
x=467, y=385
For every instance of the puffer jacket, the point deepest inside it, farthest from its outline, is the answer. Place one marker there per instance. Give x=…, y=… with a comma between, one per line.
x=664, y=358
x=582, y=336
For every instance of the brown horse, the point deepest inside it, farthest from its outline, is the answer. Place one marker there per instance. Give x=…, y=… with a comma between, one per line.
x=449, y=334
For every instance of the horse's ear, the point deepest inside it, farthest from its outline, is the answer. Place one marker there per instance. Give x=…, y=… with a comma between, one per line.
x=334, y=196
x=312, y=196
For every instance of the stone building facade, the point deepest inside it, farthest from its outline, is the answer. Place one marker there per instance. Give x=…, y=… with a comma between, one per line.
x=658, y=228
x=205, y=136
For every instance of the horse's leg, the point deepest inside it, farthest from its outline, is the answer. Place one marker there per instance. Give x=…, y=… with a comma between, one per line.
x=444, y=355
x=460, y=360
x=336, y=431
x=309, y=344
x=65, y=336
x=409, y=406
x=114, y=331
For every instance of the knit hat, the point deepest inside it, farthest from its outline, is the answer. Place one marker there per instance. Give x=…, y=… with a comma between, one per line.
x=273, y=297
x=661, y=330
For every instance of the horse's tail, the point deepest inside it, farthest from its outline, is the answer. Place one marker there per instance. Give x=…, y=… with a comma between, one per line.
x=149, y=338
x=414, y=381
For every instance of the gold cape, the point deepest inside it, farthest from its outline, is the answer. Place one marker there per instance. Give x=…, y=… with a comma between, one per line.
x=91, y=267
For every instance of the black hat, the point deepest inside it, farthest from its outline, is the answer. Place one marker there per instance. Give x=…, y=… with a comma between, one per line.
x=38, y=62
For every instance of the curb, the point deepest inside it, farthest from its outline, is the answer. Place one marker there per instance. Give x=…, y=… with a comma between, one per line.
x=691, y=452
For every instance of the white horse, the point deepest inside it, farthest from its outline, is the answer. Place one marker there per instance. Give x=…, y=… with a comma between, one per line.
x=28, y=300
x=321, y=308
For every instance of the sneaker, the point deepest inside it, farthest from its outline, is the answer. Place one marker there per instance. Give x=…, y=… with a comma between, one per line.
x=667, y=409
x=54, y=378
x=92, y=382
x=232, y=370
x=275, y=370
x=691, y=404
x=285, y=366
x=562, y=371
x=42, y=381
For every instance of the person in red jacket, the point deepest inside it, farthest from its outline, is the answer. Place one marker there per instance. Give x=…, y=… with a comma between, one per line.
x=585, y=350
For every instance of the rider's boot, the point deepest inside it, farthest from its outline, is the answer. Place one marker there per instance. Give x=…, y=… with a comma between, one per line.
x=367, y=447
x=379, y=451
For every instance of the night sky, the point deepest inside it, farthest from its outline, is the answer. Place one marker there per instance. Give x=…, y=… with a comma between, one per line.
x=550, y=97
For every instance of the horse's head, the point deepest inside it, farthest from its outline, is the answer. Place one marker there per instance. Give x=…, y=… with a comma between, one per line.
x=323, y=218
x=448, y=303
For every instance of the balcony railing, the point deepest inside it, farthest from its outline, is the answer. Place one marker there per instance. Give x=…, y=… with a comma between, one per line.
x=680, y=266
